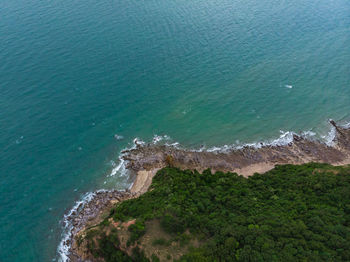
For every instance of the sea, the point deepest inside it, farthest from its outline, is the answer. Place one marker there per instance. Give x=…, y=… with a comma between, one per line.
x=80, y=80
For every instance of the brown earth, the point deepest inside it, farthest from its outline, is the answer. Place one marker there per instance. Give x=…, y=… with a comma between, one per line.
x=146, y=160
x=245, y=161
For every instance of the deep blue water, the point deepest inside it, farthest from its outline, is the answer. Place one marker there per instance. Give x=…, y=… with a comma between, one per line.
x=74, y=73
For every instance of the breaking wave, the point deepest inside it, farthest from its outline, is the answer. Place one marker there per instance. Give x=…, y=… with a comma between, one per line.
x=64, y=246
x=285, y=138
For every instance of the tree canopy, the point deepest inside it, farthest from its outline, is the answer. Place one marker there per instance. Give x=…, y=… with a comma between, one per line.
x=291, y=213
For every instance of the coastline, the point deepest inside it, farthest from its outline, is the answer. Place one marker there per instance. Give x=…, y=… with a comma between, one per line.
x=92, y=209
x=146, y=159
x=143, y=181
x=86, y=213
x=246, y=160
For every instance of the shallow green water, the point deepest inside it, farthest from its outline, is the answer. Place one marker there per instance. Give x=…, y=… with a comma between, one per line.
x=74, y=73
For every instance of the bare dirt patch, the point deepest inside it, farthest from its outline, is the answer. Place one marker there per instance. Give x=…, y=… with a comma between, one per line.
x=163, y=245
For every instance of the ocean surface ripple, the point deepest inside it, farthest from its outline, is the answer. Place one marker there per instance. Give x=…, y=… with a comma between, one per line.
x=79, y=80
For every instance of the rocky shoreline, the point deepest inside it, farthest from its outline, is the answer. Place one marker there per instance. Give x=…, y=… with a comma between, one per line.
x=89, y=213
x=247, y=160
x=146, y=160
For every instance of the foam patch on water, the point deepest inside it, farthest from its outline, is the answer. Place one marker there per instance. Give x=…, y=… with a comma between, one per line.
x=175, y=144
x=285, y=138
x=330, y=137
x=121, y=167
x=19, y=140
x=157, y=139
x=347, y=125
x=118, y=137
x=164, y=140
x=137, y=142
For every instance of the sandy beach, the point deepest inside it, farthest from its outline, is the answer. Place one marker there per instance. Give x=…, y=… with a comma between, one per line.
x=146, y=160
x=143, y=181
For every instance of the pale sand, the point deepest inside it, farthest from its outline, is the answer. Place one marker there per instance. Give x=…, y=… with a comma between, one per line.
x=343, y=163
x=254, y=168
x=143, y=181
x=264, y=167
x=144, y=178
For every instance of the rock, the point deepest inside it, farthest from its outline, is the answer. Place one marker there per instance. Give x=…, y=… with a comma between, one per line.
x=152, y=156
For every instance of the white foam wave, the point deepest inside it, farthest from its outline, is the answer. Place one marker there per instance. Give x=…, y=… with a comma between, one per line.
x=330, y=137
x=164, y=140
x=284, y=139
x=121, y=167
x=157, y=139
x=64, y=247
x=347, y=125
x=137, y=142
x=175, y=144
x=308, y=134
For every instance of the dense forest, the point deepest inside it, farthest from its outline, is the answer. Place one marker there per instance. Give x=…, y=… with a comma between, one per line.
x=291, y=213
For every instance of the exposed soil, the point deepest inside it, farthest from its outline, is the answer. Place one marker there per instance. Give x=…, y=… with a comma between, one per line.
x=146, y=160
x=245, y=161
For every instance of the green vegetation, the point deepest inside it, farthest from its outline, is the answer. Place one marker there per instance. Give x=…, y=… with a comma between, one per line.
x=291, y=213
x=101, y=245
x=160, y=242
x=107, y=246
x=137, y=230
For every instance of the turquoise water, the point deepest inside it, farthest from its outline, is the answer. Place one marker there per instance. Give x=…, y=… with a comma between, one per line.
x=75, y=73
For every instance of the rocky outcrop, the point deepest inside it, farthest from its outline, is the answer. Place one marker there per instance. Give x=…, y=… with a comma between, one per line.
x=89, y=214
x=145, y=160
x=299, y=151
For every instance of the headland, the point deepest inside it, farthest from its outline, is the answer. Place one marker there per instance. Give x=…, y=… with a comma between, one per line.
x=146, y=159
